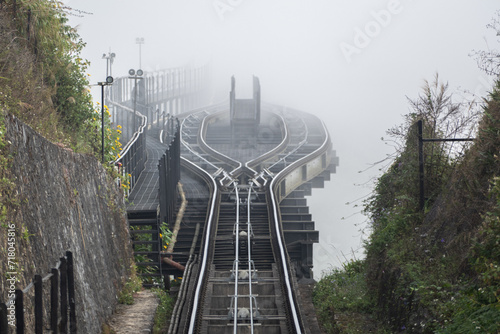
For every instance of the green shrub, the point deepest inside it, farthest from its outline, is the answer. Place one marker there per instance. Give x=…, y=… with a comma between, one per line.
x=340, y=291
x=478, y=309
x=164, y=311
x=44, y=80
x=132, y=286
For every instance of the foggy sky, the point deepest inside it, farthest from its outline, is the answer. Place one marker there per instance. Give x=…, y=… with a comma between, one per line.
x=352, y=63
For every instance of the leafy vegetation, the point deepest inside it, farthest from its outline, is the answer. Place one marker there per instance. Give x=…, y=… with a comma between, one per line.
x=434, y=270
x=6, y=183
x=133, y=285
x=143, y=267
x=343, y=295
x=165, y=235
x=163, y=311
x=43, y=78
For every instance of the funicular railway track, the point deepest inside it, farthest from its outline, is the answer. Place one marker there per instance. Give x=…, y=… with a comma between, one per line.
x=246, y=234
x=241, y=281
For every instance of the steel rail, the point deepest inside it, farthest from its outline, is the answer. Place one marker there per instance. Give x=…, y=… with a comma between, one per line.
x=278, y=227
x=218, y=155
x=237, y=259
x=230, y=161
x=299, y=145
x=178, y=307
x=186, y=144
x=261, y=158
x=208, y=236
x=280, y=241
x=280, y=147
x=250, y=274
x=210, y=109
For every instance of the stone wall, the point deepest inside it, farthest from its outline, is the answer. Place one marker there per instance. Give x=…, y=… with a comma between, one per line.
x=68, y=202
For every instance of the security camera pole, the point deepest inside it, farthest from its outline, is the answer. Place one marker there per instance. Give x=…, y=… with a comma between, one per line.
x=109, y=81
x=110, y=56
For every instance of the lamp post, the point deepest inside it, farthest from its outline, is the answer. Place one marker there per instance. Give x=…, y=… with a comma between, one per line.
x=136, y=75
x=109, y=81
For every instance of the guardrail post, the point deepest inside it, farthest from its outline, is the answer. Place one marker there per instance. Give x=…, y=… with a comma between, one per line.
x=64, y=296
x=71, y=293
x=54, y=299
x=38, y=304
x=19, y=312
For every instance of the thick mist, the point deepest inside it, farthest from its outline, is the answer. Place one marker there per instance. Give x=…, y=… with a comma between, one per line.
x=353, y=64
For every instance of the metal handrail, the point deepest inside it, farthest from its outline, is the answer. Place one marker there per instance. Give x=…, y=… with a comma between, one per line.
x=136, y=145
x=61, y=288
x=136, y=135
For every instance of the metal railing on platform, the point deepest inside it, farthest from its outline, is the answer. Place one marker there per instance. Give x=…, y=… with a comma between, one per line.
x=170, y=173
x=62, y=302
x=133, y=157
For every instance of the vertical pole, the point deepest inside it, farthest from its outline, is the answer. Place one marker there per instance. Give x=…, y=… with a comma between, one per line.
x=64, y=296
x=135, y=104
x=102, y=120
x=71, y=293
x=140, y=60
x=19, y=312
x=421, y=164
x=54, y=299
x=29, y=22
x=38, y=305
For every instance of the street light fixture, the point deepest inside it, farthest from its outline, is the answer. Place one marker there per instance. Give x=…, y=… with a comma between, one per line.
x=109, y=81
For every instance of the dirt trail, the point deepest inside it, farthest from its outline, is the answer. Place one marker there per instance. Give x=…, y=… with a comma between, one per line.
x=136, y=318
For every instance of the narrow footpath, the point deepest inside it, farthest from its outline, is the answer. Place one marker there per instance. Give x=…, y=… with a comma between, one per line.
x=137, y=318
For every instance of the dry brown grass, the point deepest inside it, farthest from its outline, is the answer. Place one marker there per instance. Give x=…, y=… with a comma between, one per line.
x=23, y=91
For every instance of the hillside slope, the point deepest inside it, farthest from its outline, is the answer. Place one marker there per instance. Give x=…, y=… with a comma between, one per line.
x=54, y=192
x=435, y=271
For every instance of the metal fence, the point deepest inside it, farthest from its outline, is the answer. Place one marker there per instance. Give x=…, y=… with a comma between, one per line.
x=169, y=172
x=142, y=103
x=62, y=302
x=133, y=157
